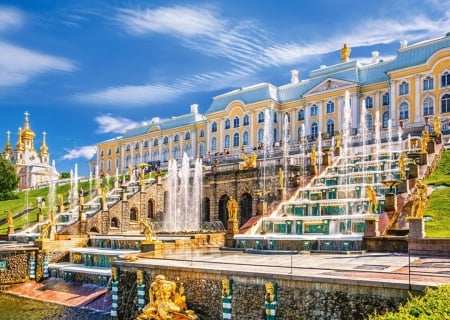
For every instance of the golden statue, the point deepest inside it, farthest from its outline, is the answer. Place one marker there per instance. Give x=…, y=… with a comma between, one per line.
x=149, y=229
x=104, y=202
x=166, y=303
x=313, y=156
x=402, y=166
x=226, y=290
x=424, y=141
x=345, y=53
x=338, y=140
x=52, y=216
x=60, y=202
x=420, y=196
x=114, y=274
x=45, y=231
x=249, y=162
x=373, y=201
x=139, y=277
x=280, y=178
x=270, y=292
x=10, y=219
x=232, y=207
x=437, y=126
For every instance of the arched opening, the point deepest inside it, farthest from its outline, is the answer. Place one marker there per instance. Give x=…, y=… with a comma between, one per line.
x=133, y=214
x=223, y=211
x=114, y=223
x=245, y=208
x=206, y=210
x=94, y=230
x=151, y=209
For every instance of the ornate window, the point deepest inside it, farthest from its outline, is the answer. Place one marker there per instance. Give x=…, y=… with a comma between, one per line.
x=227, y=141
x=176, y=138
x=404, y=111
x=369, y=102
x=166, y=140
x=117, y=150
x=245, y=139
x=155, y=142
x=117, y=163
x=187, y=136
x=385, y=119
x=214, y=127
x=301, y=115
x=101, y=153
x=236, y=122
x=260, y=117
x=260, y=135
x=214, y=144
x=201, y=134
x=145, y=144
x=369, y=121
x=275, y=117
x=227, y=124
x=330, y=107
x=445, y=79
x=330, y=126
x=136, y=146
x=287, y=117
x=246, y=120
x=314, y=129
x=127, y=148
x=109, y=164
x=386, y=99
x=314, y=110
x=428, y=84
x=109, y=151
x=428, y=107
x=236, y=140
x=403, y=88
x=445, y=103
x=201, y=150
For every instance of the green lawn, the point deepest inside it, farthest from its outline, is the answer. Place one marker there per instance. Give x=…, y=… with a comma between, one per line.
x=437, y=208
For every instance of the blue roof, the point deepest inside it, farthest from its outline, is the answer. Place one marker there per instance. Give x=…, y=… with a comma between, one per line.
x=248, y=95
x=165, y=124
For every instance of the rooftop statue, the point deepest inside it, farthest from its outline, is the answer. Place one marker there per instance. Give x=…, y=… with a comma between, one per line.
x=345, y=53
x=166, y=302
x=249, y=162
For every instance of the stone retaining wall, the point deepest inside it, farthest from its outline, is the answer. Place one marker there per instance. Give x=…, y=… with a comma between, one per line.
x=17, y=268
x=297, y=297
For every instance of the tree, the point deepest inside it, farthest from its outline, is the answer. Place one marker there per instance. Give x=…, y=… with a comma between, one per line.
x=9, y=180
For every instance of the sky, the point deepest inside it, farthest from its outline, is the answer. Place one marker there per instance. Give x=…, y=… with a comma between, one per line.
x=87, y=70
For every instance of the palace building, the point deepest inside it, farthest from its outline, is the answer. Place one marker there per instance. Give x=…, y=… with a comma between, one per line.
x=32, y=167
x=406, y=91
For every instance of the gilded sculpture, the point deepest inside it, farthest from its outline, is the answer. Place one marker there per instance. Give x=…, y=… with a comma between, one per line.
x=437, y=126
x=373, y=201
x=281, y=178
x=424, y=141
x=402, y=166
x=270, y=292
x=345, y=53
x=226, y=290
x=313, y=156
x=420, y=197
x=166, y=302
x=10, y=219
x=249, y=162
x=45, y=231
x=232, y=207
x=149, y=229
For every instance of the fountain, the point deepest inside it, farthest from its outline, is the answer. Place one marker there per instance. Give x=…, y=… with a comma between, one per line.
x=183, y=196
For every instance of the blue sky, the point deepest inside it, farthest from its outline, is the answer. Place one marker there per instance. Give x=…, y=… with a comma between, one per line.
x=87, y=70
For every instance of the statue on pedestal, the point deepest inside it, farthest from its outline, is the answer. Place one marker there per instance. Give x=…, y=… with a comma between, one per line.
x=402, y=166
x=45, y=231
x=280, y=178
x=10, y=218
x=232, y=207
x=420, y=197
x=149, y=229
x=437, y=126
x=373, y=201
x=249, y=162
x=166, y=302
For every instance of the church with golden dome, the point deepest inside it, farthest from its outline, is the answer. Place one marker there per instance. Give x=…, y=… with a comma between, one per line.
x=32, y=167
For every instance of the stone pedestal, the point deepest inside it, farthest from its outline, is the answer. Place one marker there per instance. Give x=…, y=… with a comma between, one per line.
x=416, y=228
x=148, y=246
x=431, y=147
x=403, y=187
x=261, y=208
x=326, y=159
x=158, y=180
x=313, y=170
x=422, y=159
x=413, y=171
x=437, y=138
x=10, y=230
x=337, y=151
x=390, y=202
x=282, y=193
x=232, y=229
x=83, y=227
x=40, y=217
x=371, y=227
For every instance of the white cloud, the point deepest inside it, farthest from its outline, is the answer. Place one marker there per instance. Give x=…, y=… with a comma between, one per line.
x=84, y=152
x=131, y=95
x=177, y=20
x=10, y=18
x=18, y=65
x=110, y=124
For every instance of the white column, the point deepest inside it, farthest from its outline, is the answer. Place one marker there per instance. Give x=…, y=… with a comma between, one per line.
x=307, y=116
x=392, y=100
x=354, y=98
x=418, y=110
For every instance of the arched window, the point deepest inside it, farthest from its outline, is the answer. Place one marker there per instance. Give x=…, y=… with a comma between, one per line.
x=136, y=146
x=275, y=117
x=187, y=136
x=236, y=122
x=287, y=117
x=246, y=120
x=145, y=144
x=227, y=124
x=166, y=140
x=261, y=117
x=214, y=127
x=403, y=88
x=127, y=161
x=260, y=135
x=300, y=133
x=275, y=134
x=369, y=102
x=428, y=107
x=146, y=156
x=404, y=111
x=386, y=99
x=136, y=159
x=109, y=151
x=188, y=150
x=236, y=140
x=127, y=147
x=155, y=156
x=155, y=142
x=201, y=150
x=165, y=155
x=176, y=153
x=330, y=107
x=109, y=164
x=445, y=79
x=301, y=115
x=176, y=138
x=114, y=223
x=214, y=143
x=330, y=126
x=314, y=129
x=314, y=110
x=202, y=134
x=227, y=141
x=369, y=121
x=428, y=84
x=385, y=119
x=133, y=214
x=117, y=150
x=151, y=209
x=117, y=163
x=445, y=103
x=245, y=139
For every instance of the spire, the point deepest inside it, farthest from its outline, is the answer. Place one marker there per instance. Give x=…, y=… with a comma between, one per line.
x=27, y=135
x=8, y=144
x=19, y=145
x=44, y=148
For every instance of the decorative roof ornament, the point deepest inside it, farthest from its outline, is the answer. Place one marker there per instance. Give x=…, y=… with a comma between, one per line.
x=8, y=147
x=345, y=53
x=44, y=148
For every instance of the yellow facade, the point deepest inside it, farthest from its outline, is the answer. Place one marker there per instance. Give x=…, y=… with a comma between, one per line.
x=407, y=92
